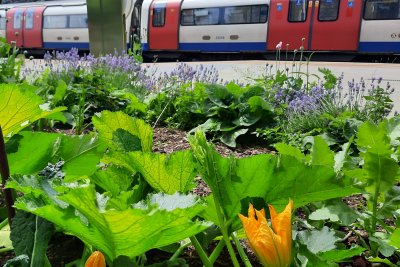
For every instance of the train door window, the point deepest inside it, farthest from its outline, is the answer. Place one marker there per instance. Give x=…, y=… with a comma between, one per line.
x=206, y=16
x=382, y=9
x=55, y=22
x=245, y=14
x=3, y=22
x=159, y=14
x=328, y=10
x=29, y=14
x=78, y=21
x=298, y=10
x=17, y=19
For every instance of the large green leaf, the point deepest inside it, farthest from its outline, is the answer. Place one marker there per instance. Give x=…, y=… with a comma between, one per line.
x=30, y=152
x=81, y=155
x=165, y=173
x=275, y=179
x=19, y=108
x=122, y=132
x=160, y=221
x=380, y=170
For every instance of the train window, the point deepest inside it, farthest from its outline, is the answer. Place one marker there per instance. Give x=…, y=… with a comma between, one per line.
x=55, y=21
x=3, y=22
x=245, y=14
x=159, y=14
x=200, y=16
x=382, y=9
x=298, y=10
x=328, y=10
x=78, y=21
x=187, y=17
x=29, y=19
x=17, y=19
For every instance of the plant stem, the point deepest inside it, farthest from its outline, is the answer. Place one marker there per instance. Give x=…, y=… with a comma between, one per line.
x=202, y=254
x=179, y=251
x=242, y=254
x=5, y=173
x=375, y=199
x=217, y=251
x=224, y=230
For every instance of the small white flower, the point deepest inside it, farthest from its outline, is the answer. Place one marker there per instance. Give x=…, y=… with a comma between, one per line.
x=279, y=46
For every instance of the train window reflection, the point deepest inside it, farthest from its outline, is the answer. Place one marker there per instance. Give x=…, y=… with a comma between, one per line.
x=3, y=22
x=328, y=10
x=245, y=14
x=29, y=19
x=200, y=16
x=382, y=9
x=55, y=21
x=17, y=19
x=159, y=15
x=78, y=21
x=298, y=10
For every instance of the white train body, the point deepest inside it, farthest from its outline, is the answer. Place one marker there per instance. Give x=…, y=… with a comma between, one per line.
x=199, y=26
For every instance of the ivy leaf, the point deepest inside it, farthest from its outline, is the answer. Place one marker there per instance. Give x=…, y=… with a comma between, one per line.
x=20, y=108
x=121, y=132
x=165, y=173
x=319, y=241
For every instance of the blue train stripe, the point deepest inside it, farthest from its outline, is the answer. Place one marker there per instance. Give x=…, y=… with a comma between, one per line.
x=219, y=47
x=389, y=47
x=67, y=46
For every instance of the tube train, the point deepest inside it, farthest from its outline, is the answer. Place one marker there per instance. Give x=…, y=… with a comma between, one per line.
x=209, y=26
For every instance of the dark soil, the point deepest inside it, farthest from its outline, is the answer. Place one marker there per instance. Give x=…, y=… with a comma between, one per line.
x=64, y=249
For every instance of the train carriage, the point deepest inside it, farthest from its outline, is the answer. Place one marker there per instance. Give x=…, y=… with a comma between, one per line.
x=226, y=26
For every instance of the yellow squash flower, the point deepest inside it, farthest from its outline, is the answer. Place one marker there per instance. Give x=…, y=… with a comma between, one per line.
x=96, y=260
x=273, y=247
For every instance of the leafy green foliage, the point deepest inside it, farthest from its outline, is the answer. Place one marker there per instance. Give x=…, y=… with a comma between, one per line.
x=20, y=107
x=80, y=211
x=80, y=154
x=30, y=236
x=5, y=241
x=10, y=65
x=275, y=179
x=165, y=173
x=121, y=132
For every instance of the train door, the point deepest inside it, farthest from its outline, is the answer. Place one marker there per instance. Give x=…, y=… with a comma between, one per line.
x=32, y=27
x=289, y=23
x=318, y=25
x=25, y=26
x=14, y=32
x=336, y=25
x=164, y=24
